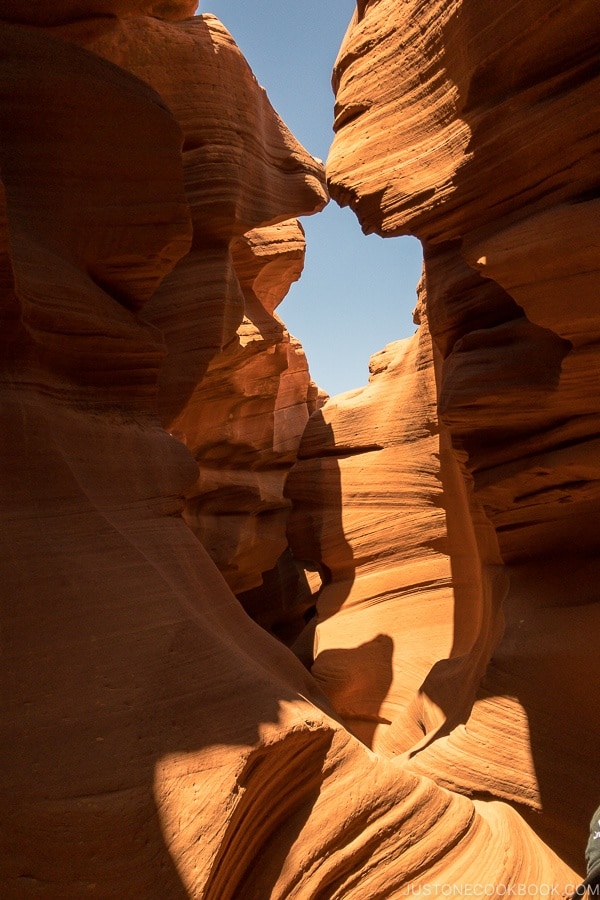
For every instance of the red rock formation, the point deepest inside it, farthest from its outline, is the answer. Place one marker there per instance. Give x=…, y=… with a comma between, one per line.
x=223, y=385
x=156, y=742
x=244, y=421
x=61, y=12
x=472, y=125
x=380, y=502
x=114, y=612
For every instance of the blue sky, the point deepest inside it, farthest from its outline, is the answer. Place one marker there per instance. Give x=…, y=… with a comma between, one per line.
x=356, y=293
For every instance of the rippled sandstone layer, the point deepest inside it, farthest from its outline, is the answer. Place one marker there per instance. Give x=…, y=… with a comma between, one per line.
x=473, y=125
x=156, y=742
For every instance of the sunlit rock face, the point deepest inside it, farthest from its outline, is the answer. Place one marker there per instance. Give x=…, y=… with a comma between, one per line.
x=234, y=386
x=379, y=500
x=156, y=742
x=473, y=125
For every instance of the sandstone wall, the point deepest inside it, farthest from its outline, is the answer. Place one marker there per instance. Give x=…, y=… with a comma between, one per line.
x=155, y=741
x=473, y=125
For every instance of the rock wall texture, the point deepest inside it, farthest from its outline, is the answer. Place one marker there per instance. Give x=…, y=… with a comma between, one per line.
x=156, y=742
x=474, y=127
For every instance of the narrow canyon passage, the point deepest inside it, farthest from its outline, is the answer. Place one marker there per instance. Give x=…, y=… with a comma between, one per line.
x=258, y=643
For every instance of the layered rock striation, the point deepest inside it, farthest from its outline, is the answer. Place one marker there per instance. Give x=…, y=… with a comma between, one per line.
x=473, y=126
x=156, y=742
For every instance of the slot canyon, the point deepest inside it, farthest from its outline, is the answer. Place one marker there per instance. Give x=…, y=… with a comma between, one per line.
x=258, y=643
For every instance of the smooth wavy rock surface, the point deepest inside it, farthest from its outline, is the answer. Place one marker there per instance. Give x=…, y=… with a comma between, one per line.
x=157, y=743
x=473, y=125
x=234, y=386
x=379, y=501
x=244, y=421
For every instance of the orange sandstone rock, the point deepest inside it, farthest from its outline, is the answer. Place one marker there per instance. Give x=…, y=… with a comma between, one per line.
x=157, y=743
x=234, y=385
x=473, y=126
x=380, y=503
x=245, y=419
x=59, y=12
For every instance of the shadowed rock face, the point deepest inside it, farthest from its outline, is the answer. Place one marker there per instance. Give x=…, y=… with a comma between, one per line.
x=155, y=741
x=20, y=12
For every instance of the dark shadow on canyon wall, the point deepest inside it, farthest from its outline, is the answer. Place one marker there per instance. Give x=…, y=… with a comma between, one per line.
x=362, y=674
x=486, y=351
x=356, y=679
x=274, y=790
x=284, y=604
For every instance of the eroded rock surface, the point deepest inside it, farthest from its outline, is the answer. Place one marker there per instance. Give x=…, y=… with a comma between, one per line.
x=379, y=500
x=473, y=126
x=244, y=421
x=156, y=742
